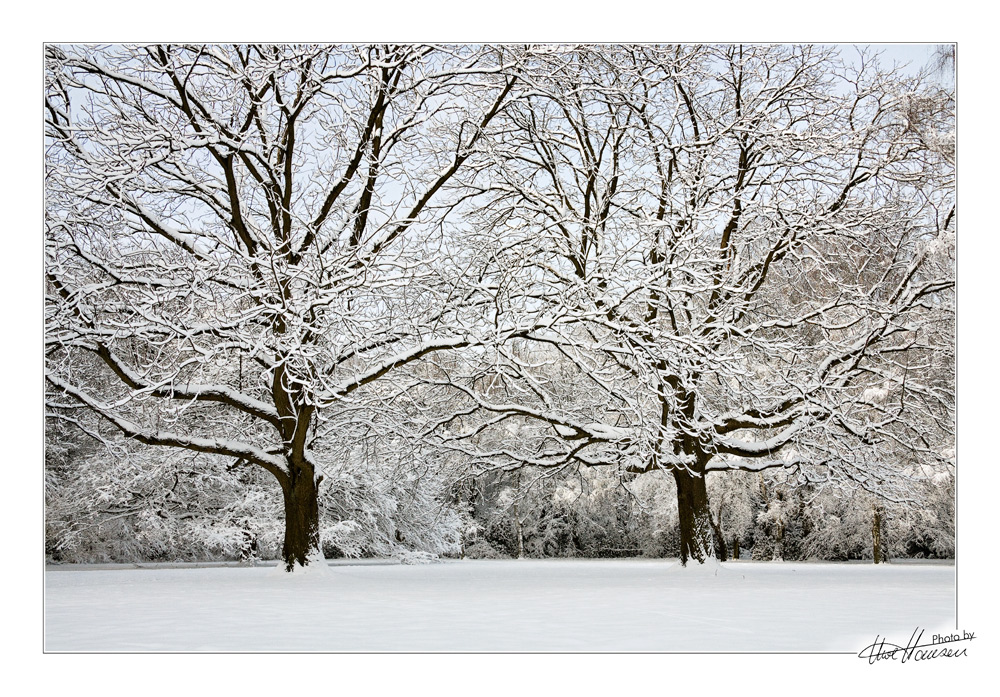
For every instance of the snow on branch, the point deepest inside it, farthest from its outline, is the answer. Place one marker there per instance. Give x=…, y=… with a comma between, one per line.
x=218, y=446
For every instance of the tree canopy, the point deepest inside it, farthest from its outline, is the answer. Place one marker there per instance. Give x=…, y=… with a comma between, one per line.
x=677, y=259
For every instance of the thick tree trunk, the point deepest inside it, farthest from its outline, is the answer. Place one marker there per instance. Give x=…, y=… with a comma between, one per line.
x=697, y=535
x=301, y=521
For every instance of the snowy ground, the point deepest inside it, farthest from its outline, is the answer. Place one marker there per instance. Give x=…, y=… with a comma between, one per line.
x=551, y=605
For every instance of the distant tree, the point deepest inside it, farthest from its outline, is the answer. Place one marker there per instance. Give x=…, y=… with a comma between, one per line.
x=734, y=496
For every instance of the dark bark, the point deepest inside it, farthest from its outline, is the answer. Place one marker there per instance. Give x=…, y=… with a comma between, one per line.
x=697, y=535
x=721, y=550
x=779, y=541
x=301, y=495
x=878, y=550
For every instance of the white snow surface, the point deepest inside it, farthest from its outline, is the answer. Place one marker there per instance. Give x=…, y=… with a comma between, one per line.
x=494, y=606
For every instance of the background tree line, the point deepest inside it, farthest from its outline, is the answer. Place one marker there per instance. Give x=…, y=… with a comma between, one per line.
x=140, y=507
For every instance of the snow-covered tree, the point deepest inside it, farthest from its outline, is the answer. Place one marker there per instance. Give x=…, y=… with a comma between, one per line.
x=242, y=240
x=665, y=260
x=733, y=498
x=738, y=255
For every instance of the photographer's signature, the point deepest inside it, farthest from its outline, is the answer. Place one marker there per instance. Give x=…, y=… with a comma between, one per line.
x=917, y=649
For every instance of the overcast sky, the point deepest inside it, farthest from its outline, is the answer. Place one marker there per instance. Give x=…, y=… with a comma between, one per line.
x=915, y=56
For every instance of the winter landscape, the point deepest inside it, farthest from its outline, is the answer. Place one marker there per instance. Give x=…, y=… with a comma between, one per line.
x=491, y=348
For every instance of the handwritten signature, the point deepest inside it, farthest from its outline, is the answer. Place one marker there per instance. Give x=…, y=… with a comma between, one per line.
x=940, y=646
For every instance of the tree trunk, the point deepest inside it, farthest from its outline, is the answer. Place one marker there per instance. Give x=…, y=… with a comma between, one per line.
x=301, y=520
x=721, y=550
x=697, y=536
x=518, y=526
x=520, y=535
x=876, y=534
x=779, y=541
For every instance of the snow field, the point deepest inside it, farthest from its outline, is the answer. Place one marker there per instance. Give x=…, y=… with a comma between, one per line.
x=527, y=605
